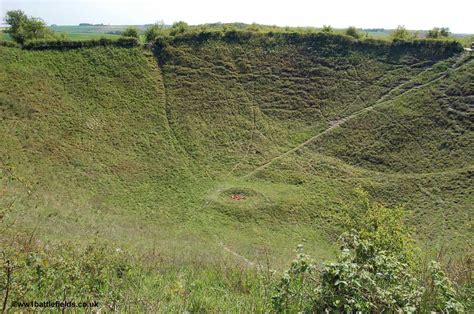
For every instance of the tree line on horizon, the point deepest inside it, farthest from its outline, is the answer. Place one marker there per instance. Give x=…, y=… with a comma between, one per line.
x=23, y=28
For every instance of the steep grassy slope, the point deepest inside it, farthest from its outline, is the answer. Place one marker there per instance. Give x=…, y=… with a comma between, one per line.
x=150, y=150
x=250, y=100
x=425, y=130
x=339, y=100
x=87, y=130
x=398, y=150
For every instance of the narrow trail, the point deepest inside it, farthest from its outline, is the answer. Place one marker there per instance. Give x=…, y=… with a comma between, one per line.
x=463, y=59
x=245, y=260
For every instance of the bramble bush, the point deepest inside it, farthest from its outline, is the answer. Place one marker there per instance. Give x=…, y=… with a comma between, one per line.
x=439, y=292
x=153, y=32
x=377, y=270
x=295, y=290
x=367, y=278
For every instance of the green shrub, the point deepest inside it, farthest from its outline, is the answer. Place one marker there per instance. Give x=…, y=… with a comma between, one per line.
x=368, y=278
x=131, y=32
x=401, y=33
x=437, y=32
x=353, y=32
x=152, y=32
x=327, y=29
x=384, y=228
x=296, y=289
x=377, y=270
x=179, y=28
x=439, y=294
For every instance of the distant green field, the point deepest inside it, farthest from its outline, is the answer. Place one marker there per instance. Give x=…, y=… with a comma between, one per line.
x=76, y=29
x=74, y=32
x=71, y=36
x=85, y=36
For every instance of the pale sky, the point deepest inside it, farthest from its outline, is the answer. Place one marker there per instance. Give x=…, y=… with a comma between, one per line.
x=458, y=15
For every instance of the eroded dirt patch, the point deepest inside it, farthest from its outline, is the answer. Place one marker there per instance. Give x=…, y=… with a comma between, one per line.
x=238, y=197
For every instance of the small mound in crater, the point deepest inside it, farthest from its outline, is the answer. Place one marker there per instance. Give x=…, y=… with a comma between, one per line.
x=239, y=194
x=241, y=203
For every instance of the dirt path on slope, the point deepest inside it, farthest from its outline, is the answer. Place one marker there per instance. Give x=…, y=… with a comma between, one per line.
x=384, y=98
x=245, y=260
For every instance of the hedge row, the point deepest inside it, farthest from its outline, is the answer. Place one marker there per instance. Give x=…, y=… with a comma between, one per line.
x=126, y=42
x=8, y=43
x=325, y=42
x=427, y=48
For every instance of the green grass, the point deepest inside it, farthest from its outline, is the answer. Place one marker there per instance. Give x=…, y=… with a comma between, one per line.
x=99, y=29
x=75, y=32
x=86, y=36
x=72, y=36
x=145, y=151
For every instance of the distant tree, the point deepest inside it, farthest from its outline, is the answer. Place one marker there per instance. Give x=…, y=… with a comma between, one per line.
x=433, y=33
x=254, y=27
x=179, y=28
x=153, y=31
x=23, y=27
x=229, y=27
x=437, y=32
x=353, y=32
x=401, y=33
x=327, y=29
x=130, y=32
x=444, y=32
